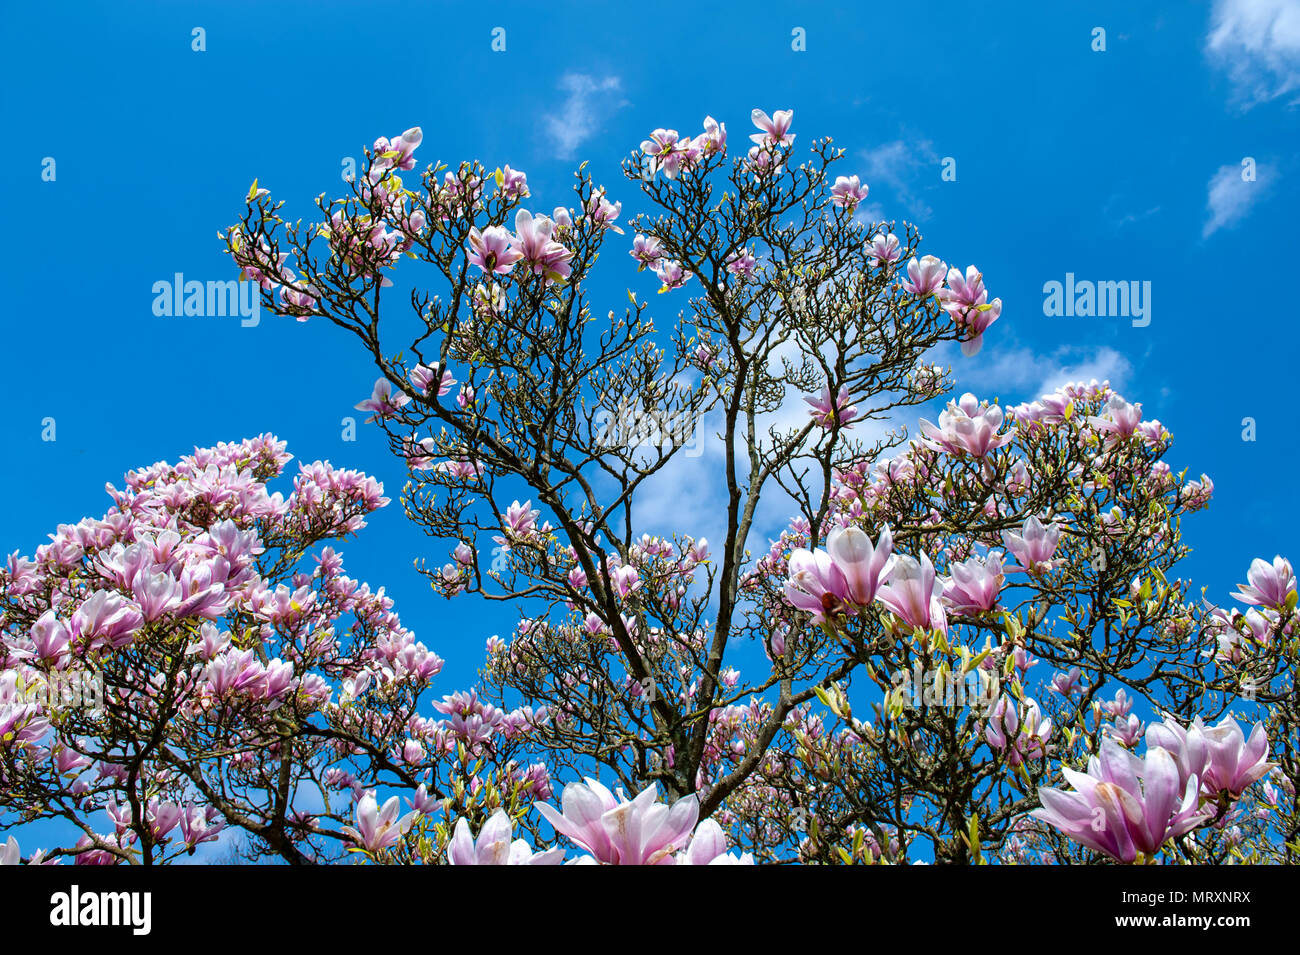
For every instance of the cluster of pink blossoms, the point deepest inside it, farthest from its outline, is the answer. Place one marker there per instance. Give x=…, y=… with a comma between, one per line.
x=1125, y=805
x=613, y=829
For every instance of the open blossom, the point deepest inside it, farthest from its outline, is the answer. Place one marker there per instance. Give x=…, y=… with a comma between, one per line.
x=913, y=593
x=1033, y=546
x=493, y=250
x=742, y=263
x=709, y=847
x=423, y=378
x=378, y=828
x=1120, y=421
x=534, y=243
x=646, y=251
x=1068, y=683
x=1195, y=495
x=513, y=184
x=604, y=212
x=924, y=276
x=625, y=580
x=966, y=302
x=399, y=152
x=713, y=139
x=1268, y=584
x=666, y=150
x=1124, y=804
x=521, y=518
x=884, y=249
x=383, y=401
x=863, y=565
x=775, y=129
x=10, y=854
x=816, y=584
x=847, y=192
x=974, y=584
x=1221, y=756
x=826, y=413
x=619, y=831
x=494, y=845
x=671, y=274
x=967, y=427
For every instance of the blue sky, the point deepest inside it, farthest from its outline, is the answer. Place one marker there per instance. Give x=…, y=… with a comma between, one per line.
x=1122, y=164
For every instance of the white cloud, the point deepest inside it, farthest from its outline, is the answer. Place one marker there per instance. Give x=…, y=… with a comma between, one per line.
x=1018, y=373
x=589, y=102
x=1231, y=197
x=1257, y=42
x=894, y=166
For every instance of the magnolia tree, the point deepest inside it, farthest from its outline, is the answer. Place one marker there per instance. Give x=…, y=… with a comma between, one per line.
x=901, y=611
x=229, y=674
x=946, y=655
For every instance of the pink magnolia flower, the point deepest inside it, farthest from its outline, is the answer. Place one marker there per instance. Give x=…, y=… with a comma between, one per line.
x=1033, y=546
x=884, y=249
x=742, y=263
x=645, y=249
x=521, y=518
x=775, y=129
x=1126, y=729
x=967, y=427
x=493, y=250
x=1221, y=755
x=666, y=151
x=924, y=276
x=713, y=139
x=423, y=377
x=625, y=580
x=847, y=192
x=11, y=855
x=826, y=412
x=494, y=846
x=966, y=302
x=513, y=184
x=200, y=824
x=535, y=245
x=974, y=584
x=1195, y=495
x=618, y=831
x=1121, y=419
x=709, y=847
x=398, y=152
x=603, y=212
x=383, y=401
x=1124, y=804
x=816, y=584
x=1068, y=683
x=913, y=594
x=671, y=273
x=1268, y=585
x=377, y=828
x=863, y=565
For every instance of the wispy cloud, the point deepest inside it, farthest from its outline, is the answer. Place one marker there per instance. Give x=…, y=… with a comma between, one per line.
x=895, y=166
x=588, y=102
x=1257, y=42
x=1017, y=373
x=1231, y=197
